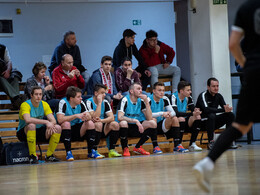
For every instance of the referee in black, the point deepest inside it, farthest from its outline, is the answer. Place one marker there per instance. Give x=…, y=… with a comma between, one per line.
x=247, y=25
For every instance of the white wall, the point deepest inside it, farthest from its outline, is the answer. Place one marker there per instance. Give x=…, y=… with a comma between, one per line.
x=98, y=27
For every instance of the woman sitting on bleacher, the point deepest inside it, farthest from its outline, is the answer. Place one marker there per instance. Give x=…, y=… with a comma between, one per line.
x=40, y=79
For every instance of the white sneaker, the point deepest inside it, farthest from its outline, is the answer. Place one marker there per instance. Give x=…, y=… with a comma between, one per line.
x=194, y=147
x=203, y=171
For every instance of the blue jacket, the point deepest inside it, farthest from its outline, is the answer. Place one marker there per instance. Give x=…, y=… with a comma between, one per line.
x=97, y=78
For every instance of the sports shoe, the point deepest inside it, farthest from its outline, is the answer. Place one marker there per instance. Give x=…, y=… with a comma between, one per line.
x=51, y=158
x=140, y=151
x=194, y=147
x=94, y=154
x=69, y=156
x=211, y=144
x=180, y=148
x=126, y=152
x=33, y=159
x=157, y=150
x=100, y=154
x=113, y=153
x=203, y=172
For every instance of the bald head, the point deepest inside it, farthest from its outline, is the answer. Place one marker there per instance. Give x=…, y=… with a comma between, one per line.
x=67, y=62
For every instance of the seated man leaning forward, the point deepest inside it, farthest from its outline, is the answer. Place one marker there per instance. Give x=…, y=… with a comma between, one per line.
x=126, y=76
x=32, y=127
x=133, y=124
x=103, y=117
x=66, y=75
x=76, y=122
x=167, y=122
x=188, y=116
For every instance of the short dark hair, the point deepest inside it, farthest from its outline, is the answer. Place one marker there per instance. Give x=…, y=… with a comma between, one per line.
x=182, y=85
x=68, y=33
x=128, y=33
x=38, y=66
x=132, y=85
x=151, y=33
x=99, y=86
x=35, y=88
x=211, y=79
x=158, y=84
x=72, y=92
x=126, y=59
x=106, y=58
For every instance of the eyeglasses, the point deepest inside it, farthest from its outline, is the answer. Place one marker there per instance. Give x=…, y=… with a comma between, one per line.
x=153, y=40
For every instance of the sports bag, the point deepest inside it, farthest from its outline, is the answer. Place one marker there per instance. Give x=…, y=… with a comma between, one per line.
x=15, y=153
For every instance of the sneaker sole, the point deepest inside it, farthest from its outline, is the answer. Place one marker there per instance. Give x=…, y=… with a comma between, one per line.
x=126, y=155
x=200, y=179
x=71, y=159
x=140, y=153
x=158, y=152
x=113, y=156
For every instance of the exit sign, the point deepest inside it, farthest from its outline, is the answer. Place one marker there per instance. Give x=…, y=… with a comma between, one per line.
x=216, y=2
x=137, y=22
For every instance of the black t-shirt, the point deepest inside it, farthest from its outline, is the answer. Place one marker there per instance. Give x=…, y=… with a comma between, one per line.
x=248, y=19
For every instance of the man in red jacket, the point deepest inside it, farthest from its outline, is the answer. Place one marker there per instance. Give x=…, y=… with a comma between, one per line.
x=153, y=53
x=66, y=75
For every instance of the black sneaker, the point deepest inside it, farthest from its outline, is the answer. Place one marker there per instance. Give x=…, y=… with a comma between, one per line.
x=51, y=158
x=33, y=159
x=211, y=144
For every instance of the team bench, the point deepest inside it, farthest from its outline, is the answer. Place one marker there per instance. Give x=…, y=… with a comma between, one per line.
x=9, y=124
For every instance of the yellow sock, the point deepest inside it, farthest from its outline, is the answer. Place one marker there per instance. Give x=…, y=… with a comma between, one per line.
x=31, y=141
x=54, y=140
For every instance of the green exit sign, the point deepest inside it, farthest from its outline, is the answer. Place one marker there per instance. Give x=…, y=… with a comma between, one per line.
x=216, y=2
x=137, y=22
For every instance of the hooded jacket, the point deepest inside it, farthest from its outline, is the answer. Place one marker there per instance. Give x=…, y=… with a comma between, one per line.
x=122, y=51
x=151, y=58
x=62, y=49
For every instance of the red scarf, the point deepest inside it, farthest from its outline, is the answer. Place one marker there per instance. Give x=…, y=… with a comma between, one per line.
x=107, y=81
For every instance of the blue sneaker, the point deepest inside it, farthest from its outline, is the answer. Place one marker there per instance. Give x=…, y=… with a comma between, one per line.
x=69, y=156
x=180, y=148
x=94, y=154
x=157, y=150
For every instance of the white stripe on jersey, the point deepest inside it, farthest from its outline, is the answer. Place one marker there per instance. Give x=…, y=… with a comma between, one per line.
x=110, y=110
x=88, y=105
x=204, y=99
x=122, y=105
x=61, y=104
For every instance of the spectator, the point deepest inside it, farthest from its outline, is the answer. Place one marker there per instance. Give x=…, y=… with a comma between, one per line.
x=40, y=79
x=68, y=46
x=66, y=75
x=153, y=52
x=127, y=48
x=9, y=78
x=104, y=76
x=126, y=76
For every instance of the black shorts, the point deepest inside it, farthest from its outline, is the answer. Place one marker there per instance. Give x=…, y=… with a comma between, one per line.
x=168, y=134
x=75, y=132
x=40, y=135
x=248, y=106
x=133, y=131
